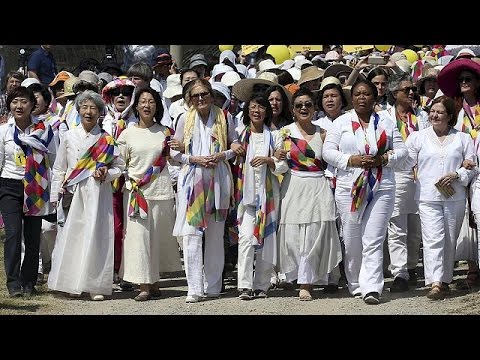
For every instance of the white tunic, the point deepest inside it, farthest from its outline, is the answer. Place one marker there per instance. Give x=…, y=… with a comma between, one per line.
x=82, y=260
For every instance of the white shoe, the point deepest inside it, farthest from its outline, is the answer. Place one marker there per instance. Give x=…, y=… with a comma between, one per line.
x=193, y=298
x=97, y=297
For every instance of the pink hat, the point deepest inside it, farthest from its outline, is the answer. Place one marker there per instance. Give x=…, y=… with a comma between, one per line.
x=447, y=78
x=332, y=55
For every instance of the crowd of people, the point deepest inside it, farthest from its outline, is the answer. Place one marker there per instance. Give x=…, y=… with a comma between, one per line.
x=309, y=170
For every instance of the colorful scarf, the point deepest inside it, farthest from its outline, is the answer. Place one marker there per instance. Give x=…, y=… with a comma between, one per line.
x=137, y=203
x=265, y=220
x=407, y=127
x=102, y=153
x=425, y=102
x=49, y=118
x=302, y=156
x=119, y=127
x=366, y=184
x=201, y=202
x=470, y=120
x=35, y=181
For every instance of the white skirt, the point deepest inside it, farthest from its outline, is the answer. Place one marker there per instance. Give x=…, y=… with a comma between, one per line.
x=149, y=247
x=82, y=260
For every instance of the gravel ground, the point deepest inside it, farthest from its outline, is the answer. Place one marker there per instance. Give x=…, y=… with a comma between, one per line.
x=279, y=302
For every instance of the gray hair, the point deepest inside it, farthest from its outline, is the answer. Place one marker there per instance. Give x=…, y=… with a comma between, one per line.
x=90, y=95
x=395, y=80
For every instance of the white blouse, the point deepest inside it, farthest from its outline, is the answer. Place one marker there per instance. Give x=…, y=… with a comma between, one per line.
x=435, y=159
x=341, y=143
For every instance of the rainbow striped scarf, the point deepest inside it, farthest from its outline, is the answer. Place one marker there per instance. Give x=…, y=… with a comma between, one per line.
x=265, y=220
x=302, y=156
x=425, y=102
x=102, y=153
x=201, y=202
x=366, y=184
x=470, y=120
x=137, y=203
x=407, y=127
x=119, y=127
x=49, y=118
x=36, y=179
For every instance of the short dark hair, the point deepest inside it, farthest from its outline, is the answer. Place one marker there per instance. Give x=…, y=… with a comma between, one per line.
x=329, y=87
x=156, y=97
x=262, y=100
x=43, y=90
x=449, y=104
x=23, y=92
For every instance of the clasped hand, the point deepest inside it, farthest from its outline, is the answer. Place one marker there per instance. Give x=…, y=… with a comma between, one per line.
x=100, y=173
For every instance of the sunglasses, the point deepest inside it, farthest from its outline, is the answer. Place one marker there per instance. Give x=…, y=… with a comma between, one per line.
x=125, y=90
x=307, y=104
x=202, y=94
x=466, y=79
x=407, y=89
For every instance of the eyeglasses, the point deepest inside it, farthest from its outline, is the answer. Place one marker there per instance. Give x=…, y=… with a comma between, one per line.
x=256, y=107
x=466, y=79
x=125, y=90
x=407, y=89
x=202, y=94
x=307, y=104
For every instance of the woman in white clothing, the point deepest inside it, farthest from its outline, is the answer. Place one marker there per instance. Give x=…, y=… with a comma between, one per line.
x=118, y=98
x=149, y=247
x=309, y=243
x=364, y=147
x=87, y=161
x=460, y=79
x=205, y=188
x=257, y=198
x=404, y=233
x=438, y=152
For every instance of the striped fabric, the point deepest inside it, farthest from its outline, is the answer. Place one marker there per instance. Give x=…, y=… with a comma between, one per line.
x=302, y=156
x=36, y=181
x=366, y=185
x=137, y=203
x=471, y=120
x=102, y=153
x=407, y=127
x=265, y=220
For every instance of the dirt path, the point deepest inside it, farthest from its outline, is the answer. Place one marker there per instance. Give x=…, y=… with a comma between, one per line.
x=279, y=302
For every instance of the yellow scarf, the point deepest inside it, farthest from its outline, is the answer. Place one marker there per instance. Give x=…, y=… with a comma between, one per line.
x=219, y=130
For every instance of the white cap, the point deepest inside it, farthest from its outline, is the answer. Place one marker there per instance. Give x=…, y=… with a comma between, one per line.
x=29, y=81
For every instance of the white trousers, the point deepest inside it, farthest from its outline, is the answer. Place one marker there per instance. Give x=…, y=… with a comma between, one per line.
x=404, y=237
x=47, y=243
x=441, y=223
x=364, y=242
x=204, y=273
x=247, y=278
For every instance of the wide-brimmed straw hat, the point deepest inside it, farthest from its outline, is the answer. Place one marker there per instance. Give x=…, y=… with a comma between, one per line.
x=243, y=89
x=337, y=69
x=68, y=87
x=448, y=77
x=429, y=73
x=309, y=74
